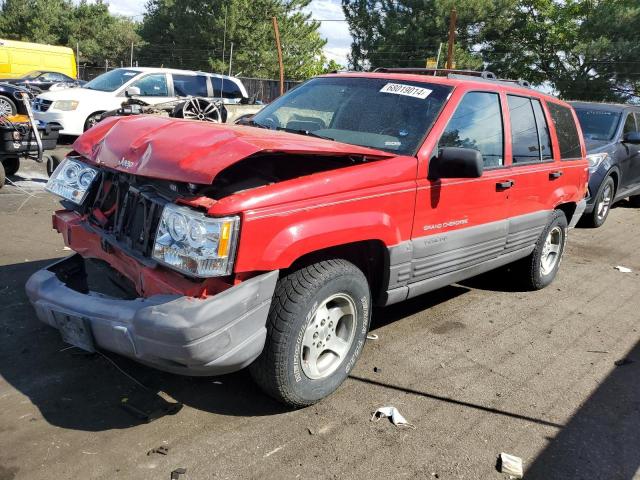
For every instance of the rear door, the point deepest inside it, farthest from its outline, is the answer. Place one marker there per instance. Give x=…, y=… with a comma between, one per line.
x=534, y=171
x=460, y=223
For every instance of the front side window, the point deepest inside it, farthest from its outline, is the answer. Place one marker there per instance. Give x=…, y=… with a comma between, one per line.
x=53, y=77
x=190, y=85
x=111, y=81
x=477, y=124
x=566, y=130
x=387, y=114
x=154, y=85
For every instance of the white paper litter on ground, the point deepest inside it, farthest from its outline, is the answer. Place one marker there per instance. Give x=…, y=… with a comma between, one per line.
x=511, y=465
x=623, y=269
x=372, y=336
x=393, y=414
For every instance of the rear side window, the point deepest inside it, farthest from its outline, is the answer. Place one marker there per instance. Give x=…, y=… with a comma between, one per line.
x=225, y=88
x=477, y=124
x=529, y=130
x=190, y=85
x=568, y=138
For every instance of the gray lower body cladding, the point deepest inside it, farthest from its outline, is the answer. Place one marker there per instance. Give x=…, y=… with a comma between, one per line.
x=431, y=262
x=216, y=335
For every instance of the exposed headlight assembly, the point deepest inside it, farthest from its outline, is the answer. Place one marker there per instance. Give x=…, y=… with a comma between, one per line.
x=72, y=180
x=595, y=159
x=64, y=105
x=192, y=243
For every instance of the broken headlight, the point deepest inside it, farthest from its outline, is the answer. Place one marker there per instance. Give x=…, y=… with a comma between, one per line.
x=72, y=180
x=192, y=243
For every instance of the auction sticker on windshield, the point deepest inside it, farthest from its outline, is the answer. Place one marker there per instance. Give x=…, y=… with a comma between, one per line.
x=408, y=90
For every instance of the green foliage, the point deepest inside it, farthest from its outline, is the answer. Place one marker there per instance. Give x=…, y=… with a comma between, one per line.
x=584, y=49
x=404, y=33
x=191, y=34
x=101, y=36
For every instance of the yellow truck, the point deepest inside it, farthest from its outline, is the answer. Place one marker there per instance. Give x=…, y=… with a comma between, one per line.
x=18, y=58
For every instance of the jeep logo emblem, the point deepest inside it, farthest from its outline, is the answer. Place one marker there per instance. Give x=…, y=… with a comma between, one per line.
x=124, y=163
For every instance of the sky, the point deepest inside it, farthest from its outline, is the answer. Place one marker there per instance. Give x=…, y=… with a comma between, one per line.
x=336, y=33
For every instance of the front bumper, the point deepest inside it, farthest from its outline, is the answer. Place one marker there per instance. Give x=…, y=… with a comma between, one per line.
x=72, y=122
x=191, y=336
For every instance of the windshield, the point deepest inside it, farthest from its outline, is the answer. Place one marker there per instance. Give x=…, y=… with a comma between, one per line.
x=32, y=75
x=387, y=114
x=111, y=81
x=598, y=124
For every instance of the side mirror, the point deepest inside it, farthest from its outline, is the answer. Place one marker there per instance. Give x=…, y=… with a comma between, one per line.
x=455, y=162
x=631, y=137
x=131, y=91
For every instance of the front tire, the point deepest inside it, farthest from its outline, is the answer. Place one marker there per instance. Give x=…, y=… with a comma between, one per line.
x=602, y=205
x=11, y=165
x=316, y=329
x=2, y=175
x=542, y=265
x=7, y=107
x=92, y=120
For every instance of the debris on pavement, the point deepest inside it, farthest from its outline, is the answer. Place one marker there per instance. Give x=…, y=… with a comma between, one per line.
x=393, y=414
x=509, y=464
x=622, y=362
x=175, y=475
x=622, y=269
x=161, y=450
x=372, y=336
x=147, y=406
x=377, y=370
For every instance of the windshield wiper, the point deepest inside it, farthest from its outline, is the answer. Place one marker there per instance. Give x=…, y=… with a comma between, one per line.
x=251, y=123
x=308, y=133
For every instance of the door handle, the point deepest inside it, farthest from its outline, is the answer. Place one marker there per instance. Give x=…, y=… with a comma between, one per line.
x=505, y=185
x=554, y=175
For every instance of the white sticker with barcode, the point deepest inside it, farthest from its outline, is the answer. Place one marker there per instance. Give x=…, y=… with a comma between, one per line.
x=408, y=90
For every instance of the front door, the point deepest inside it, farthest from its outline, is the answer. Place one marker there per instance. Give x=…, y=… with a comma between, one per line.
x=154, y=88
x=461, y=223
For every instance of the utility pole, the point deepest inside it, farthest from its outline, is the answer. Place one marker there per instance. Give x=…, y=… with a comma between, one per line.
x=452, y=37
x=77, y=59
x=277, y=34
x=230, y=58
x=131, y=61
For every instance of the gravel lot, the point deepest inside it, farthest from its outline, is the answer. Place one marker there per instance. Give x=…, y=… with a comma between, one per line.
x=479, y=368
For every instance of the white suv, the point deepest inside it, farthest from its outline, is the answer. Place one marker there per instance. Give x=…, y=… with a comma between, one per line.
x=78, y=109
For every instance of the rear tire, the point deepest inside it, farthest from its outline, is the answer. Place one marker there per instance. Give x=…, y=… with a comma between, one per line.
x=602, y=204
x=316, y=329
x=541, y=267
x=11, y=166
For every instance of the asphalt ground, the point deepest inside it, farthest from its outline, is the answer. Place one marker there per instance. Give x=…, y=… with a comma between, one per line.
x=479, y=368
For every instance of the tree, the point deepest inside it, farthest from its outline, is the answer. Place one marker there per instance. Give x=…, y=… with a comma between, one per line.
x=100, y=35
x=191, y=34
x=404, y=33
x=585, y=49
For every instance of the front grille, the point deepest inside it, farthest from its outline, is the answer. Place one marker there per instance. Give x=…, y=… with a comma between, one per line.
x=127, y=211
x=41, y=105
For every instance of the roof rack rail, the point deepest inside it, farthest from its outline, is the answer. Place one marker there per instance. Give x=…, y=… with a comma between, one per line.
x=436, y=71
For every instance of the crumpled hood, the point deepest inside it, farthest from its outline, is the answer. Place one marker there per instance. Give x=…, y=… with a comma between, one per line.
x=193, y=151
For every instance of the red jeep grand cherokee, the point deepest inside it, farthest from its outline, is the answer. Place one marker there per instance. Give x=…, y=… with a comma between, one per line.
x=266, y=244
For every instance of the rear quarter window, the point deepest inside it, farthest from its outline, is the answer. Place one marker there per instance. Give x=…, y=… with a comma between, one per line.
x=566, y=130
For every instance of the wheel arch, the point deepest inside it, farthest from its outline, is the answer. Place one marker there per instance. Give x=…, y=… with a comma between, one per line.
x=370, y=256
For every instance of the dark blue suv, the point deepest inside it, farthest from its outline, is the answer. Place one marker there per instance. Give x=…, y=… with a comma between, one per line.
x=612, y=136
